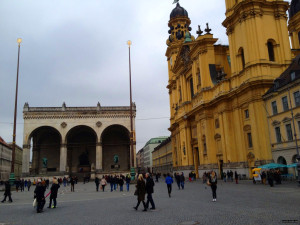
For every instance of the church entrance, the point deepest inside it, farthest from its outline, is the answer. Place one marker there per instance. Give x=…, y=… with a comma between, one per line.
x=116, y=148
x=81, y=149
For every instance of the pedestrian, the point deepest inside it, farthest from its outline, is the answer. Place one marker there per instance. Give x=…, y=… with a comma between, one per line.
x=29, y=184
x=224, y=176
x=263, y=177
x=65, y=181
x=103, y=183
x=150, y=190
x=128, y=180
x=236, y=176
x=212, y=182
x=182, y=179
x=39, y=194
x=169, y=181
x=25, y=183
x=17, y=182
x=140, y=192
x=72, y=181
x=121, y=183
x=22, y=184
x=54, y=189
x=156, y=177
x=97, y=183
x=111, y=183
x=177, y=178
x=7, y=192
x=270, y=177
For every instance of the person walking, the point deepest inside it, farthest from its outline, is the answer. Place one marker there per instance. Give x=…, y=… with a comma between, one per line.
x=182, y=179
x=111, y=181
x=236, y=176
x=128, y=180
x=7, y=192
x=28, y=184
x=103, y=183
x=72, y=181
x=121, y=183
x=39, y=194
x=65, y=181
x=177, y=178
x=213, y=184
x=169, y=182
x=140, y=192
x=54, y=189
x=150, y=190
x=97, y=183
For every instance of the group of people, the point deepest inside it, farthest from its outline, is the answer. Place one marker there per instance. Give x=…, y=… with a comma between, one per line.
x=270, y=176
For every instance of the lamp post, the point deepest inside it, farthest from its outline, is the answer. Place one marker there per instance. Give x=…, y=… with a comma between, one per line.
x=132, y=170
x=12, y=172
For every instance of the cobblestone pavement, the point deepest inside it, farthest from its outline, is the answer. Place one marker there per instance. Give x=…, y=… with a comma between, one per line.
x=244, y=204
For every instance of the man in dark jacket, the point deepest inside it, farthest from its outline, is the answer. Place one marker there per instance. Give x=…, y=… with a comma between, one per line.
x=53, y=195
x=39, y=194
x=149, y=190
x=7, y=192
x=97, y=183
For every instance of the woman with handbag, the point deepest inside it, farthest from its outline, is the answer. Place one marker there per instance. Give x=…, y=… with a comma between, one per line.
x=212, y=182
x=140, y=192
x=103, y=183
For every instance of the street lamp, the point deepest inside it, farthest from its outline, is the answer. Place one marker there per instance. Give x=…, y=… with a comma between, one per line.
x=12, y=172
x=129, y=43
x=295, y=134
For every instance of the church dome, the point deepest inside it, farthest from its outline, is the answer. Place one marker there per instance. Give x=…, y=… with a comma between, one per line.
x=295, y=8
x=178, y=11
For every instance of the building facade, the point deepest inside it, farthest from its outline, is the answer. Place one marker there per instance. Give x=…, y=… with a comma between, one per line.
x=18, y=160
x=218, y=119
x=283, y=108
x=162, y=157
x=70, y=140
x=148, y=149
x=5, y=160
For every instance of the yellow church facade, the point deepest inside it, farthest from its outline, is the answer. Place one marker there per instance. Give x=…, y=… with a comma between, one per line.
x=218, y=119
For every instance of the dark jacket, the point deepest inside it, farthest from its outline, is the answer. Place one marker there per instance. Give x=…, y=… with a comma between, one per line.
x=39, y=192
x=7, y=189
x=213, y=181
x=141, y=190
x=121, y=182
x=182, y=179
x=97, y=180
x=54, y=190
x=149, y=185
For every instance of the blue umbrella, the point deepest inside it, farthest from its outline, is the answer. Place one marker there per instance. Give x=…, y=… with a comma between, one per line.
x=272, y=166
x=292, y=165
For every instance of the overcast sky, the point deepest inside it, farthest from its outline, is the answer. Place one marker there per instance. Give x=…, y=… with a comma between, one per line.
x=75, y=51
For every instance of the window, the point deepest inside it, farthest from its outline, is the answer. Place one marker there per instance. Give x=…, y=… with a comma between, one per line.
x=278, y=134
x=199, y=78
x=249, y=135
x=293, y=76
x=192, y=87
x=246, y=113
x=289, y=132
x=285, y=104
x=297, y=98
x=271, y=51
x=274, y=108
x=217, y=124
x=180, y=94
x=242, y=57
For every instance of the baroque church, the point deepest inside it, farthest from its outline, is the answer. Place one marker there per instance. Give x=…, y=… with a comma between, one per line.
x=218, y=117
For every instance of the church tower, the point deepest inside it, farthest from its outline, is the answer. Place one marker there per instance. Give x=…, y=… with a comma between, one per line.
x=294, y=26
x=258, y=37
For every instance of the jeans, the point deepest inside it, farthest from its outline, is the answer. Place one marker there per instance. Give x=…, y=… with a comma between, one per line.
x=111, y=187
x=54, y=202
x=127, y=185
x=182, y=184
x=150, y=199
x=115, y=186
x=178, y=184
x=214, y=191
x=121, y=187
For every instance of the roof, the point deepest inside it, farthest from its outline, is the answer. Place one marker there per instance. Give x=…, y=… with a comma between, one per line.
x=156, y=140
x=4, y=143
x=295, y=8
x=178, y=11
x=285, y=78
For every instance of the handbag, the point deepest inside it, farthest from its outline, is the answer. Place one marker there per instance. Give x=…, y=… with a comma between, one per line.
x=34, y=204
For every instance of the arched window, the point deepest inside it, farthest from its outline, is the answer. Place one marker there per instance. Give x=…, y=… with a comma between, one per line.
x=271, y=51
x=281, y=160
x=242, y=56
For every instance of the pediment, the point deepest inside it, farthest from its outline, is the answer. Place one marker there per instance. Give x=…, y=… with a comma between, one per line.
x=276, y=123
x=286, y=119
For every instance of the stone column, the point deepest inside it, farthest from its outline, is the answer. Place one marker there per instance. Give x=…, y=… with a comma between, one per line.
x=99, y=167
x=34, y=165
x=63, y=158
x=25, y=160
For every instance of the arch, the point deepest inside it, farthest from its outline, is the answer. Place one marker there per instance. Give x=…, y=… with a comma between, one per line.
x=294, y=159
x=281, y=160
x=115, y=141
x=270, y=45
x=242, y=57
x=81, y=143
x=39, y=128
x=46, y=142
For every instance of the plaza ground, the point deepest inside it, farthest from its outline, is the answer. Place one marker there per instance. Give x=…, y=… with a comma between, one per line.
x=244, y=203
